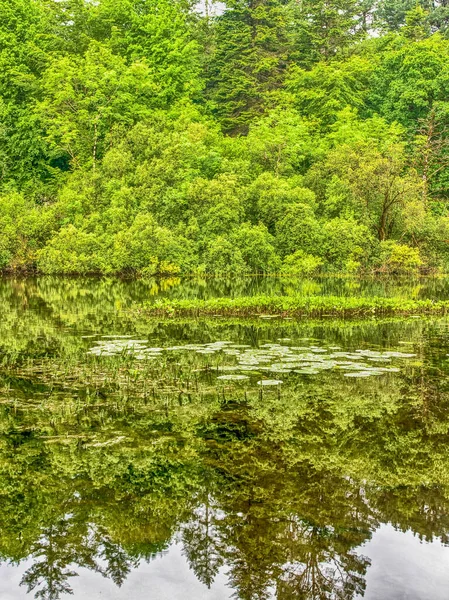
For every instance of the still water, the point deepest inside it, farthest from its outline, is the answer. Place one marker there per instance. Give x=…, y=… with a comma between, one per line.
x=220, y=458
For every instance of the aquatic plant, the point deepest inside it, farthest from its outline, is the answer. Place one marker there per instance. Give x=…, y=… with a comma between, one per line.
x=294, y=306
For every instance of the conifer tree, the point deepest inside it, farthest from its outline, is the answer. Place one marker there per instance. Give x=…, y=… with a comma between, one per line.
x=252, y=45
x=324, y=27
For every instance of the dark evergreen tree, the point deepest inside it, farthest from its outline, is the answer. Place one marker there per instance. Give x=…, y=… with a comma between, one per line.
x=391, y=15
x=324, y=27
x=252, y=45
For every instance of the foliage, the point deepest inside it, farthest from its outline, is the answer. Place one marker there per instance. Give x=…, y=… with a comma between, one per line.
x=328, y=88
x=223, y=257
x=140, y=136
x=298, y=229
x=252, y=44
x=257, y=248
x=299, y=305
x=23, y=228
x=300, y=263
x=399, y=258
x=344, y=240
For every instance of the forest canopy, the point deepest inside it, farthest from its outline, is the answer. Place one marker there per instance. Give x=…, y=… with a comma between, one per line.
x=272, y=136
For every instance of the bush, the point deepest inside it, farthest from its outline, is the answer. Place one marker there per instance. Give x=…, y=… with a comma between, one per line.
x=399, y=258
x=344, y=241
x=23, y=228
x=270, y=197
x=301, y=264
x=223, y=257
x=144, y=248
x=70, y=251
x=298, y=230
x=256, y=247
x=148, y=248
x=352, y=266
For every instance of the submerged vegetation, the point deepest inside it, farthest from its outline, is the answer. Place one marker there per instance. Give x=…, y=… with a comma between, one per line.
x=146, y=136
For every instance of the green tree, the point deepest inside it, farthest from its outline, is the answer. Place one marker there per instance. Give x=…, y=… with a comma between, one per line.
x=324, y=91
x=365, y=177
x=324, y=27
x=392, y=15
x=87, y=96
x=257, y=247
x=298, y=230
x=223, y=258
x=27, y=36
x=252, y=45
x=158, y=32
x=411, y=80
x=271, y=196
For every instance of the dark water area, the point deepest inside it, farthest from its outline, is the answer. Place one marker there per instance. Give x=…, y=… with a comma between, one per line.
x=220, y=458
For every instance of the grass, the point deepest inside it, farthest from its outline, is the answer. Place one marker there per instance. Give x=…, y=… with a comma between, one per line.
x=294, y=306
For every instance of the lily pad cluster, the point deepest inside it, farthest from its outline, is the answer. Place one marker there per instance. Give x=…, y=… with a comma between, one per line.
x=311, y=360
x=236, y=362
x=120, y=345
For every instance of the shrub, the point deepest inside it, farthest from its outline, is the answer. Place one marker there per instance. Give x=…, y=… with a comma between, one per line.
x=23, y=228
x=298, y=230
x=70, y=251
x=301, y=264
x=257, y=249
x=147, y=247
x=344, y=240
x=399, y=258
x=270, y=197
x=352, y=266
x=223, y=257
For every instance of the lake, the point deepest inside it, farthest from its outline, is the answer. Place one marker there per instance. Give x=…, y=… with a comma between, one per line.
x=220, y=458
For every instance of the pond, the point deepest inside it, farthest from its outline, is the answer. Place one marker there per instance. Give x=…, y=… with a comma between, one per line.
x=220, y=458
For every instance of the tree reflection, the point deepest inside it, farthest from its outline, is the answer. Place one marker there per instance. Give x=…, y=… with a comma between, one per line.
x=59, y=546
x=276, y=491
x=202, y=543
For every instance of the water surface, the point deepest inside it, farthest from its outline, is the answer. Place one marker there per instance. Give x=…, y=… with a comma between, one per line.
x=143, y=458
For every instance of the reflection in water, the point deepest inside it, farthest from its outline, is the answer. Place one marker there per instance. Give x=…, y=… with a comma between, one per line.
x=106, y=462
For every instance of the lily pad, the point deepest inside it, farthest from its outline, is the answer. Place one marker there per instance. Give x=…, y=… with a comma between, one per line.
x=379, y=359
x=399, y=355
x=356, y=374
x=306, y=371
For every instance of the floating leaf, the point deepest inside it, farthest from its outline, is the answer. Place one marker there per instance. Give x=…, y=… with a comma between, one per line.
x=306, y=371
x=363, y=373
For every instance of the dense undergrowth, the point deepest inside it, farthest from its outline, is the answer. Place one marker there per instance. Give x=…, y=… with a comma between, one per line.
x=144, y=137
